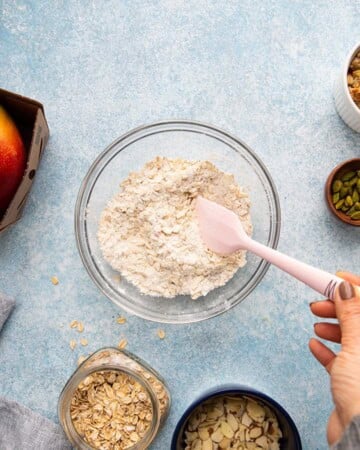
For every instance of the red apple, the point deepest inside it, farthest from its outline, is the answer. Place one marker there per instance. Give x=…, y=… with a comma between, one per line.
x=12, y=159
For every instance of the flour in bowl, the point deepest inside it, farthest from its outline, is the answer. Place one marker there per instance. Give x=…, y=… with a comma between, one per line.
x=149, y=230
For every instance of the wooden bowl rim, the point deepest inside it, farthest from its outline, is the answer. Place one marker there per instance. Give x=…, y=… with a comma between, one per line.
x=353, y=163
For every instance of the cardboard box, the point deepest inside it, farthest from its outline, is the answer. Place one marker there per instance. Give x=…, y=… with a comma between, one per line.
x=30, y=120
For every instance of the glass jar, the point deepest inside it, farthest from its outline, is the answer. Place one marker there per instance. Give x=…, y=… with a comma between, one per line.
x=121, y=361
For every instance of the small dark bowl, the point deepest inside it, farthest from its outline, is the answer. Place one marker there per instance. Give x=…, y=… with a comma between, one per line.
x=289, y=441
x=340, y=170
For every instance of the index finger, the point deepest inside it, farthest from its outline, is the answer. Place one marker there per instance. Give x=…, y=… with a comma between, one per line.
x=323, y=308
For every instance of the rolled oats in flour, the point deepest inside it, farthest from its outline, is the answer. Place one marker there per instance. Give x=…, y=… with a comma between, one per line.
x=149, y=230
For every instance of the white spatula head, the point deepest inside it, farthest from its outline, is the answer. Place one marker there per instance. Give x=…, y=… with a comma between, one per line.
x=220, y=228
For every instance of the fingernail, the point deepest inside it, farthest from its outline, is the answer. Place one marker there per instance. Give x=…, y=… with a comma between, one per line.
x=346, y=290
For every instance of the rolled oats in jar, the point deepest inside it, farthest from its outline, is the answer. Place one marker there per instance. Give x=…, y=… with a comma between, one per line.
x=113, y=401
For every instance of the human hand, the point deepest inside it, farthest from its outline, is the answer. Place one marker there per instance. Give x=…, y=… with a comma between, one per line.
x=343, y=368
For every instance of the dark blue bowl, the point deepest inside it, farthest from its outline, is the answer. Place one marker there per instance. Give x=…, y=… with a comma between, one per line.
x=289, y=441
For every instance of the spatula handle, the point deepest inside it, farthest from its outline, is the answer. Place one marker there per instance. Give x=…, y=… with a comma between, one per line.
x=323, y=282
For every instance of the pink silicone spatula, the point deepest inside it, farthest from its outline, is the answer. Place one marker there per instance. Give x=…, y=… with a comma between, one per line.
x=222, y=232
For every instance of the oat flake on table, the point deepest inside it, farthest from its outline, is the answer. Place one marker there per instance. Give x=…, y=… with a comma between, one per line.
x=149, y=231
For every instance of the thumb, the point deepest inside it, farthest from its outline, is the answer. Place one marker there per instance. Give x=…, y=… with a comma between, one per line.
x=347, y=304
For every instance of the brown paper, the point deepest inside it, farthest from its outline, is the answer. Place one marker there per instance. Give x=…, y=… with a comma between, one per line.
x=30, y=120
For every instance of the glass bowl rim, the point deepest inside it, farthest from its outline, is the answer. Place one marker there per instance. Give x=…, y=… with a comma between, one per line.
x=81, y=240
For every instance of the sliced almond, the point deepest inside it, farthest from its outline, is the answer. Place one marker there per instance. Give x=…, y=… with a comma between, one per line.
x=241, y=432
x=274, y=446
x=196, y=445
x=251, y=446
x=217, y=436
x=262, y=442
x=265, y=426
x=246, y=420
x=226, y=429
x=207, y=445
x=255, y=432
x=204, y=434
x=255, y=411
x=214, y=413
x=225, y=443
x=191, y=436
x=231, y=420
x=269, y=413
x=54, y=280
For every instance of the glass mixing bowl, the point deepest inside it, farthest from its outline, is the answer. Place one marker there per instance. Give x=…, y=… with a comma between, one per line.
x=187, y=140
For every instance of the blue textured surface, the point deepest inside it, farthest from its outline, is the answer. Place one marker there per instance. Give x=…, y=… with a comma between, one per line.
x=262, y=70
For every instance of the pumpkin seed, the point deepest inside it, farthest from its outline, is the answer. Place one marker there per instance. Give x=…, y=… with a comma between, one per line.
x=336, y=186
x=357, y=206
x=353, y=181
x=355, y=215
x=348, y=176
x=355, y=196
x=351, y=210
x=339, y=204
x=343, y=191
x=336, y=197
x=349, y=200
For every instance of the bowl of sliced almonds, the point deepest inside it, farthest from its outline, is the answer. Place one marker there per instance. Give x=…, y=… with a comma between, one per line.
x=238, y=417
x=342, y=191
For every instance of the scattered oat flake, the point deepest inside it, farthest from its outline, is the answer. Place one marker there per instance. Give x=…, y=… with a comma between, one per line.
x=116, y=278
x=161, y=334
x=83, y=342
x=74, y=324
x=80, y=327
x=122, y=344
x=72, y=344
x=121, y=320
x=54, y=280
